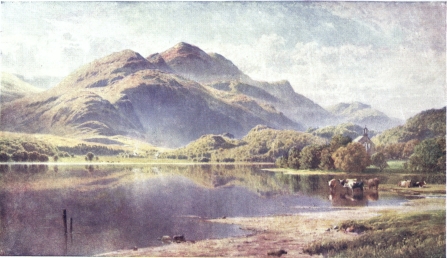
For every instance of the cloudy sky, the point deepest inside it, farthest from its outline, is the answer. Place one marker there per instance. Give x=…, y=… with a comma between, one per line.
x=391, y=55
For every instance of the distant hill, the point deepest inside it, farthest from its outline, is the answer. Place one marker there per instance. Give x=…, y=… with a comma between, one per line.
x=363, y=114
x=427, y=124
x=12, y=88
x=345, y=129
x=42, y=82
x=126, y=94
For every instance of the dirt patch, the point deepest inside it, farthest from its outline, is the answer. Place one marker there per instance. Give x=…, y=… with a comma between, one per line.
x=290, y=233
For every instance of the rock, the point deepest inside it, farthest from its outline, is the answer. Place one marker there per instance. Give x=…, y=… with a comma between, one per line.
x=335, y=227
x=277, y=253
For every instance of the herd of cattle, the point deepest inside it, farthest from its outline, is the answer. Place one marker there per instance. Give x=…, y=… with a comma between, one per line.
x=350, y=192
x=370, y=184
x=411, y=183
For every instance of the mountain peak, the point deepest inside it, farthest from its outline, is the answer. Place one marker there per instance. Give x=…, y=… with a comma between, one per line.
x=184, y=50
x=104, y=71
x=193, y=63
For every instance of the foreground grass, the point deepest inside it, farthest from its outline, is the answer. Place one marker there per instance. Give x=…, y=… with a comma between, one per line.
x=415, y=234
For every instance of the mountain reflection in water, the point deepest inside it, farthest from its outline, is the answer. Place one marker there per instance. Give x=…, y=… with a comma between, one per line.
x=118, y=207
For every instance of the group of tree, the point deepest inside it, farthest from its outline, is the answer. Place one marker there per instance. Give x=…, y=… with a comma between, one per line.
x=82, y=149
x=399, y=150
x=23, y=156
x=12, y=145
x=341, y=153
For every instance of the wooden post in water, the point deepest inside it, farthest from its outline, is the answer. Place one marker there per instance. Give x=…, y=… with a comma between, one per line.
x=71, y=230
x=64, y=217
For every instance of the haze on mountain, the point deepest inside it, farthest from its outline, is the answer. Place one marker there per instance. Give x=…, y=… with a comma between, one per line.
x=168, y=99
x=364, y=115
x=12, y=87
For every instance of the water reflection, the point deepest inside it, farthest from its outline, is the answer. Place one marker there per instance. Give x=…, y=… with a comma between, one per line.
x=119, y=207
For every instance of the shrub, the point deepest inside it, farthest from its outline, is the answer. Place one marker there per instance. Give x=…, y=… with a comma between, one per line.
x=378, y=159
x=90, y=156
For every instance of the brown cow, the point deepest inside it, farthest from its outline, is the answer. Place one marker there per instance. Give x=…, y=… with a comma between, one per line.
x=406, y=183
x=373, y=183
x=336, y=187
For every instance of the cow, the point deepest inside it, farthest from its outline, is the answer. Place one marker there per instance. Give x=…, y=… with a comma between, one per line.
x=419, y=184
x=373, y=183
x=354, y=185
x=179, y=238
x=336, y=188
x=406, y=183
x=277, y=253
x=333, y=184
x=166, y=239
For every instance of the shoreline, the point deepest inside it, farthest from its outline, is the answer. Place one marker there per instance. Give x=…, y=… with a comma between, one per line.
x=291, y=233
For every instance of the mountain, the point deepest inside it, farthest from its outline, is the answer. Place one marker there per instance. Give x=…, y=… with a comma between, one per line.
x=13, y=88
x=363, y=114
x=127, y=94
x=215, y=71
x=427, y=124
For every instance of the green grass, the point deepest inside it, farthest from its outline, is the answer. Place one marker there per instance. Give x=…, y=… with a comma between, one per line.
x=416, y=234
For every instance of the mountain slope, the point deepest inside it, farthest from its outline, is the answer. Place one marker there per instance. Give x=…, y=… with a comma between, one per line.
x=363, y=114
x=12, y=87
x=126, y=94
x=216, y=71
x=427, y=124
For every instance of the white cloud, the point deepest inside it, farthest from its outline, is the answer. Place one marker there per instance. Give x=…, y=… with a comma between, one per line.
x=390, y=55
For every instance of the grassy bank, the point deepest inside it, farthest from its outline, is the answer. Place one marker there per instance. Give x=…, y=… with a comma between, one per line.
x=394, y=234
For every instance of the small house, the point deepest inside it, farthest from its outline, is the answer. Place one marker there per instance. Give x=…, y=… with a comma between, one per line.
x=366, y=142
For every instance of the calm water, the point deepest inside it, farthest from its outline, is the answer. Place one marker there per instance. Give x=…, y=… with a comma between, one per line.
x=118, y=207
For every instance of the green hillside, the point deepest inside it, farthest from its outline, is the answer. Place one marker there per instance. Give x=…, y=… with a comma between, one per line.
x=427, y=124
x=346, y=129
x=262, y=143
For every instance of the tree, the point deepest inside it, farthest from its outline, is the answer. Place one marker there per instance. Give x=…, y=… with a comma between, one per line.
x=17, y=156
x=43, y=158
x=293, y=160
x=281, y=162
x=33, y=156
x=378, y=159
x=90, y=156
x=338, y=141
x=4, y=156
x=326, y=160
x=352, y=158
x=409, y=148
x=429, y=155
x=310, y=157
x=394, y=150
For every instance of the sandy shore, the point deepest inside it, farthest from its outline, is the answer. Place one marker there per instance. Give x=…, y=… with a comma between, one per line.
x=290, y=233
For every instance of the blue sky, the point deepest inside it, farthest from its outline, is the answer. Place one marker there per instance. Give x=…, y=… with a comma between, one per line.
x=387, y=54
